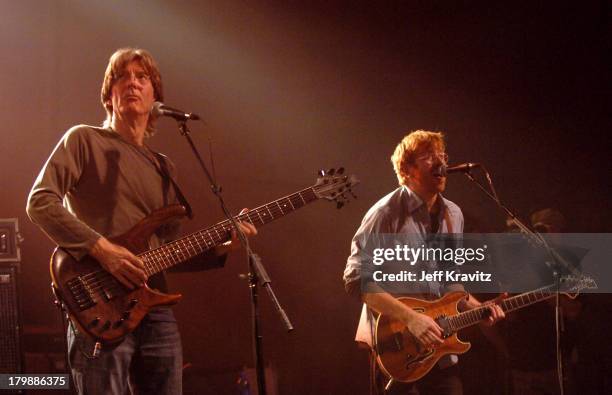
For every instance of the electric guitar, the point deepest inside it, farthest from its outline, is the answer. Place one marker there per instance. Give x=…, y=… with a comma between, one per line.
x=107, y=311
x=402, y=357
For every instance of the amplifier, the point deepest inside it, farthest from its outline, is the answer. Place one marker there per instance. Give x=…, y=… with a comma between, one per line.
x=10, y=346
x=9, y=240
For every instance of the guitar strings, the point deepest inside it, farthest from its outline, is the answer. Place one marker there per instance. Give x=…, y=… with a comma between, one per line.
x=102, y=280
x=221, y=233
x=95, y=283
x=467, y=318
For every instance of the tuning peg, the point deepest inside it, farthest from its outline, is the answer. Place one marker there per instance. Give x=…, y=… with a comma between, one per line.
x=341, y=170
x=339, y=205
x=331, y=171
x=321, y=173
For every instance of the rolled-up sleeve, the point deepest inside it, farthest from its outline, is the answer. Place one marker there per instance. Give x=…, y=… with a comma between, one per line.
x=359, y=263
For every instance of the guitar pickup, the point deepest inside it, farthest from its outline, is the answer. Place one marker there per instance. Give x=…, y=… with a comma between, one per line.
x=94, y=322
x=81, y=294
x=443, y=322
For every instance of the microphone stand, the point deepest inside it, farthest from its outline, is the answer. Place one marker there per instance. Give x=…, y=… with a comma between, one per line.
x=557, y=261
x=535, y=236
x=257, y=273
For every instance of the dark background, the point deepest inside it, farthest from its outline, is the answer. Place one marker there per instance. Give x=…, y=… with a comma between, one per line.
x=287, y=88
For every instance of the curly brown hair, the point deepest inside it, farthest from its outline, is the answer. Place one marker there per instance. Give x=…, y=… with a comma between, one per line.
x=405, y=152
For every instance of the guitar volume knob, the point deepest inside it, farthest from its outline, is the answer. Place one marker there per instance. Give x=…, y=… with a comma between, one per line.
x=94, y=322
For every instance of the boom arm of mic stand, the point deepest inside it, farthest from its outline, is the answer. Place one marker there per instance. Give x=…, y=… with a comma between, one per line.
x=535, y=236
x=556, y=258
x=265, y=281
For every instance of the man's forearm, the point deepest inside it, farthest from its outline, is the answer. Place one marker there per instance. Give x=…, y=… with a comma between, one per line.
x=45, y=209
x=385, y=303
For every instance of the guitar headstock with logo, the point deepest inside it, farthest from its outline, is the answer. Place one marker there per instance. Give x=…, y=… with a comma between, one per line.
x=334, y=185
x=573, y=285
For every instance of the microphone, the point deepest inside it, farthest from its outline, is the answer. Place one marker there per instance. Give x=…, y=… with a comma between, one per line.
x=159, y=109
x=461, y=168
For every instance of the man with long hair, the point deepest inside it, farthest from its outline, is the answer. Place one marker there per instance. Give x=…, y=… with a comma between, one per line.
x=97, y=184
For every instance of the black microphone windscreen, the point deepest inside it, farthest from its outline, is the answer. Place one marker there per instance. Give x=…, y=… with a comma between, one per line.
x=156, y=109
x=440, y=170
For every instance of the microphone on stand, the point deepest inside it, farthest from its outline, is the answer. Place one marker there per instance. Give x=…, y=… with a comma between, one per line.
x=460, y=168
x=159, y=109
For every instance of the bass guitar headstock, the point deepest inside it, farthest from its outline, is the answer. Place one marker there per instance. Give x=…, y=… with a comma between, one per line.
x=334, y=185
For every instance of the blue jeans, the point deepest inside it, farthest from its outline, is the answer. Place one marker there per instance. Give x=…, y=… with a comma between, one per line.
x=148, y=361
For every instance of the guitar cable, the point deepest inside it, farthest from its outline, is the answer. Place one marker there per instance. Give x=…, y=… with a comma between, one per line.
x=97, y=347
x=374, y=379
x=558, y=330
x=63, y=318
x=373, y=371
x=67, y=325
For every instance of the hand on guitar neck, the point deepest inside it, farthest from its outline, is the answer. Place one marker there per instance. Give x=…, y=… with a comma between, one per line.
x=424, y=328
x=496, y=313
x=90, y=288
x=405, y=346
x=129, y=268
x=246, y=227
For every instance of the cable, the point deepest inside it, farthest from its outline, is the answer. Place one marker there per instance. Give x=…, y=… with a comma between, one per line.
x=558, y=329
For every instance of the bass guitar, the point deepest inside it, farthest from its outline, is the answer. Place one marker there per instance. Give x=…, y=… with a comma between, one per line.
x=101, y=307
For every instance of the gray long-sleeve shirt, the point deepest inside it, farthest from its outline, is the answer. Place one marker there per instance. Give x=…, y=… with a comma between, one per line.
x=97, y=184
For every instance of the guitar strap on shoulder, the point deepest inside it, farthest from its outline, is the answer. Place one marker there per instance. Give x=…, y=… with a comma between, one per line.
x=163, y=169
x=449, y=224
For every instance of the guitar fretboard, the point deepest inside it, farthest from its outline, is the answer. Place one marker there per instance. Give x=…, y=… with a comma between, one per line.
x=474, y=316
x=187, y=247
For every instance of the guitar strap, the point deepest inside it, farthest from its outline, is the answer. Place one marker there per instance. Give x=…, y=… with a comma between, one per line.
x=161, y=165
x=449, y=224
x=163, y=170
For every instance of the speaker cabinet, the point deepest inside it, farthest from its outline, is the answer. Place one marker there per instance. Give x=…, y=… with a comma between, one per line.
x=10, y=347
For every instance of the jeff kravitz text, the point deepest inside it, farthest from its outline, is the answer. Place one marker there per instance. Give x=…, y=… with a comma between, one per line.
x=438, y=275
